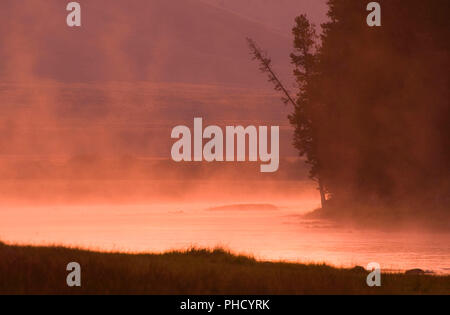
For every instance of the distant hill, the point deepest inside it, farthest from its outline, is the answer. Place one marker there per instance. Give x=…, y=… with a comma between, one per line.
x=148, y=40
x=278, y=15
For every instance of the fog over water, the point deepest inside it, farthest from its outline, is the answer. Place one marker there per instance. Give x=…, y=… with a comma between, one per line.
x=269, y=234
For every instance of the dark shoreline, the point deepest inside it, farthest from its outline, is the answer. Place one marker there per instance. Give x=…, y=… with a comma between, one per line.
x=42, y=270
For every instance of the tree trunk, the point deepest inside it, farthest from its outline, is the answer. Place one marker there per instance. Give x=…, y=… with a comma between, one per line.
x=323, y=199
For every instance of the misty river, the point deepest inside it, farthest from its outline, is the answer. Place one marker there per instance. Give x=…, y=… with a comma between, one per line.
x=271, y=233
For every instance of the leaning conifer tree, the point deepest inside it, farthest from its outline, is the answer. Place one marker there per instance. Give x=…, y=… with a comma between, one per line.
x=304, y=60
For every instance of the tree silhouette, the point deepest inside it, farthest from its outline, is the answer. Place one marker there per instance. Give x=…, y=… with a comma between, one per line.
x=303, y=115
x=371, y=112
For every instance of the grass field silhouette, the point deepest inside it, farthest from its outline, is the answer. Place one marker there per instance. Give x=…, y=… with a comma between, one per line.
x=42, y=270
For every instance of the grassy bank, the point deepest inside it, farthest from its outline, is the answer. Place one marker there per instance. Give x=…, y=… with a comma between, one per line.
x=42, y=270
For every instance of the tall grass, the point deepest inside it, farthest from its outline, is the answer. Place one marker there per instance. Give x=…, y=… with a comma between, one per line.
x=42, y=270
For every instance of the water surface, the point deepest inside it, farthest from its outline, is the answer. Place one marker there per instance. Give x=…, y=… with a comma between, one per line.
x=274, y=233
